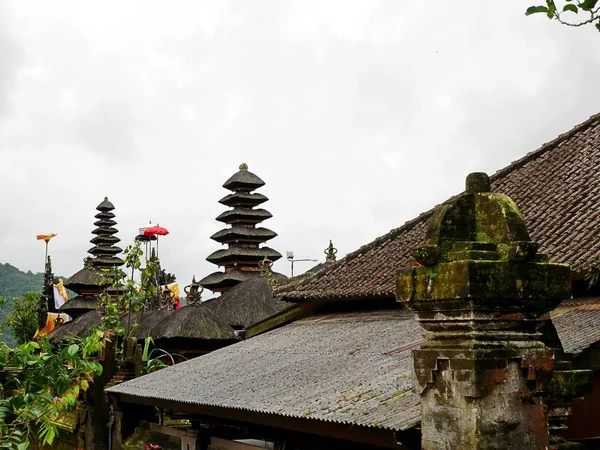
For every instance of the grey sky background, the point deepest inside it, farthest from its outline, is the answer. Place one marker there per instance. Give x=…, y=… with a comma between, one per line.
x=358, y=115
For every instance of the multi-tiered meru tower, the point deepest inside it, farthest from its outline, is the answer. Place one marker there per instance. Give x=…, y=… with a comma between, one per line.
x=243, y=238
x=86, y=282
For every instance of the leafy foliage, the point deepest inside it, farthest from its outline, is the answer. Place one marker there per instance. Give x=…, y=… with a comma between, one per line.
x=21, y=321
x=40, y=384
x=574, y=13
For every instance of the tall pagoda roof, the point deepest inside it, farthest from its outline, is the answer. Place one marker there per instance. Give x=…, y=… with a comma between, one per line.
x=243, y=256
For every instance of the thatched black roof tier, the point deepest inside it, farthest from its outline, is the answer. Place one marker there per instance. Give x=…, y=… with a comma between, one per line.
x=193, y=322
x=247, y=303
x=104, y=250
x=243, y=199
x=78, y=305
x=105, y=223
x=241, y=254
x=243, y=180
x=86, y=277
x=223, y=281
x=105, y=215
x=105, y=230
x=105, y=240
x=81, y=327
x=243, y=233
x=244, y=215
x=105, y=205
x=103, y=262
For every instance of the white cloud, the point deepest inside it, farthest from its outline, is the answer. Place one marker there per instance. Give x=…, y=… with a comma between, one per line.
x=358, y=115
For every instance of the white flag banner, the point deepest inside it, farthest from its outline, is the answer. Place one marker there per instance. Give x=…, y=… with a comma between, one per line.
x=59, y=300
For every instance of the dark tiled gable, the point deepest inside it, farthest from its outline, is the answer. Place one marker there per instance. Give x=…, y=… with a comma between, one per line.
x=557, y=188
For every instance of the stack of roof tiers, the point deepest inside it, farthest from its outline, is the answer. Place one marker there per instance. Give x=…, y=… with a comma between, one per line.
x=87, y=282
x=104, y=249
x=214, y=320
x=243, y=255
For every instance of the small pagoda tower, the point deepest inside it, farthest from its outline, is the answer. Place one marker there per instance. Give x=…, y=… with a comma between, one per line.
x=243, y=238
x=86, y=282
x=104, y=250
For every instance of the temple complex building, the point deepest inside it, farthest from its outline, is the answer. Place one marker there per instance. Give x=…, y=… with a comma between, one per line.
x=474, y=325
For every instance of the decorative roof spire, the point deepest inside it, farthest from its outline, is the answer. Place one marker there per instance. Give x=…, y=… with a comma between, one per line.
x=243, y=238
x=330, y=253
x=193, y=293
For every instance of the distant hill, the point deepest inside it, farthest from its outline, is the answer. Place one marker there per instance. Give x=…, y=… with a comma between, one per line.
x=14, y=283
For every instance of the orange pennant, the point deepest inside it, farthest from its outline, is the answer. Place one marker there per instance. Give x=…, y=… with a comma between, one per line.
x=45, y=237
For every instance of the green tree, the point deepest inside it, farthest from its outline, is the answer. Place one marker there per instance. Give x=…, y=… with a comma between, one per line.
x=573, y=13
x=22, y=321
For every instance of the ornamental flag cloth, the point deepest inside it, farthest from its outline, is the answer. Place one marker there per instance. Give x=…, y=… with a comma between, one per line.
x=60, y=294
x=45, y=237
x=52, y=321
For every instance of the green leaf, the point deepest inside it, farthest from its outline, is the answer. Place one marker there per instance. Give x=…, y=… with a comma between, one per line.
x=23, y=445
x=571, y=7
x=72, y=350
x=588, y=5
x=536, y=9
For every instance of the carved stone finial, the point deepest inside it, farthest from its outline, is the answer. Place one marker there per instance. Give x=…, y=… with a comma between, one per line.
x=481, y=291
x=244, y=166
x=266, y=270
x=330, y=252
x=478, y=182
x=88, y=262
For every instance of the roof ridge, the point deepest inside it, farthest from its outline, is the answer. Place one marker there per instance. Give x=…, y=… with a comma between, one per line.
x=550, y=145
x=392, y=234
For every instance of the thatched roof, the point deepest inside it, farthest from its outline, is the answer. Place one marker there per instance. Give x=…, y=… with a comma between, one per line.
x=193, y=322
x=243, y=254
x=85, y=277
x=247, y=303
x=78, y=303
x=82, y=326
x=243, y=180
x=242, y=233
x=243, y=198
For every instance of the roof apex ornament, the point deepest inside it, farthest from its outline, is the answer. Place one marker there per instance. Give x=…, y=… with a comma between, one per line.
x=193, y=293
x=243, y=166
x=330, y=253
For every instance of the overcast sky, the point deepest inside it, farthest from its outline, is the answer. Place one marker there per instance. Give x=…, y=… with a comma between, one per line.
x=358, y=115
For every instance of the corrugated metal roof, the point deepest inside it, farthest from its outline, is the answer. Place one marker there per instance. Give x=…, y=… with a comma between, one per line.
x=347, y=368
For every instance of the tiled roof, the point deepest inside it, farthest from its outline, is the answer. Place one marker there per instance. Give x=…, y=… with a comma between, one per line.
x=576, y=322
x=557, y=188
x=352, y=368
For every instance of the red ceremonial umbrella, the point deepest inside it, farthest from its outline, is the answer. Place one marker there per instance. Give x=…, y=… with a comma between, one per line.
x=156, y=231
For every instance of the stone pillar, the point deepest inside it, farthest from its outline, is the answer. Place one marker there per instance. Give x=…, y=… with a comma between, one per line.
x=481, y=292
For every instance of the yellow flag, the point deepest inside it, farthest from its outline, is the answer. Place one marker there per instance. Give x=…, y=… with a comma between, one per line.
x=45, y=237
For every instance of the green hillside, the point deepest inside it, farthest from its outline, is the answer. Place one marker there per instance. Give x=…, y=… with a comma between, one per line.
x=14, y=283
